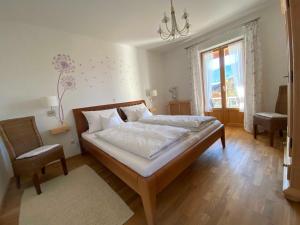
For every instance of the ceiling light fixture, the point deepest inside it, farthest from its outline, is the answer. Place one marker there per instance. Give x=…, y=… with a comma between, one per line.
x=174, y=32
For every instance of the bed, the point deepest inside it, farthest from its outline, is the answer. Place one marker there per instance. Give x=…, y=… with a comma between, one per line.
x=147, y=178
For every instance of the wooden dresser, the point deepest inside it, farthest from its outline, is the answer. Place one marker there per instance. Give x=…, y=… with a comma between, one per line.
x=180, y=108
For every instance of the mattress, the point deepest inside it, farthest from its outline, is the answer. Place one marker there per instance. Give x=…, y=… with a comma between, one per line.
x=146, y=167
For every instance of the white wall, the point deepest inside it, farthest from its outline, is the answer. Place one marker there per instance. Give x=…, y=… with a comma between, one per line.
x=105, y=73
x=274, y=55
x=151, y=71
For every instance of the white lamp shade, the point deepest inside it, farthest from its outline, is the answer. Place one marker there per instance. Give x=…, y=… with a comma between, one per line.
x=153, y=93
x=51, y=101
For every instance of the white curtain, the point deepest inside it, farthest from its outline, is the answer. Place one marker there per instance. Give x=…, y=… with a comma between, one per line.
x=253, y=74
x=197, y=82
x=208, y=69
x=236, y=57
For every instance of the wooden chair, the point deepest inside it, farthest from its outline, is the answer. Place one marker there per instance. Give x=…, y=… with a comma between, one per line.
x=273, y=122
x=27, y=153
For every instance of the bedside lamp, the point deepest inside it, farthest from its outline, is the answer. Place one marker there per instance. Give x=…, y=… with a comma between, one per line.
x=52, y=102
x=153, y=93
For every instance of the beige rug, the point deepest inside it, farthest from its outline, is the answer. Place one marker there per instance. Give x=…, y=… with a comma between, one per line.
x=80, y=198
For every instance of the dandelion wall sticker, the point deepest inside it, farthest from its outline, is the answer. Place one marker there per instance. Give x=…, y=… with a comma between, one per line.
x=64, y=65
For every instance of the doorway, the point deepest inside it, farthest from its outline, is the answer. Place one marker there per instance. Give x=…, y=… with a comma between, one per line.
x=223, y=79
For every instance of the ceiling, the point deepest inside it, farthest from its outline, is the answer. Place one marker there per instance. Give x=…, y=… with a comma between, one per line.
x=132, y=22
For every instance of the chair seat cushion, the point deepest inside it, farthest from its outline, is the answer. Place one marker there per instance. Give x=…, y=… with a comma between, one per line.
x=37, y=151
x=271, y=115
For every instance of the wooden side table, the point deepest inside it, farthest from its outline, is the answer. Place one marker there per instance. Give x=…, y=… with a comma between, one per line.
x=180, y=108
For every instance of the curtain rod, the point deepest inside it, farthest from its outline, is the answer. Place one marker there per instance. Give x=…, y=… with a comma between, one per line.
x=233, y=27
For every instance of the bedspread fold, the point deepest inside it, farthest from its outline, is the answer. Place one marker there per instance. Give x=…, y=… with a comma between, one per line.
x=193, y=123
x=145, y=140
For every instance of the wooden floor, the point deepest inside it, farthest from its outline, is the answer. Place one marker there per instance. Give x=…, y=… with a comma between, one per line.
x=240, y=185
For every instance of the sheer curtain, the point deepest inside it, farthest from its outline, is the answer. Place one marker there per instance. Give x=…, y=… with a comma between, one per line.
x=253, y=74
x=197, y=81
x=236, y=54
x=208, y=68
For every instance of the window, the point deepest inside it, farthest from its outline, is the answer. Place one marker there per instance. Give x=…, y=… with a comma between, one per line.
x=223, y=77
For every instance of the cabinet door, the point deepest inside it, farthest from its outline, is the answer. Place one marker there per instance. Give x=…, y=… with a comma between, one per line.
x=185, y=108
x=174, y=108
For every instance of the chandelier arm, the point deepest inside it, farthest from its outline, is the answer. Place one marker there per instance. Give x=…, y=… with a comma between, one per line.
x=181, y=32
x=184, y=29
x=167, y=27
x=165, y=37
x=164, y=33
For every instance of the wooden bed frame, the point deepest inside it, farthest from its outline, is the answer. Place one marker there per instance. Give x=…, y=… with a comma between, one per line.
x=146, y=187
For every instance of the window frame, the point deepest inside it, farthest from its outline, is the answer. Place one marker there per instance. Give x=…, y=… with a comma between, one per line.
x=221, y=50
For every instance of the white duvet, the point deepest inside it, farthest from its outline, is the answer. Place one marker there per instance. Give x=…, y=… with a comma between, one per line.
x=145, y=140
x=193, y=123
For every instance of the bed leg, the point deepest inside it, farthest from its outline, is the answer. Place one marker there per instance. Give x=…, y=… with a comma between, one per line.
x=148, y=195
x=223, y=138
x=83, y=152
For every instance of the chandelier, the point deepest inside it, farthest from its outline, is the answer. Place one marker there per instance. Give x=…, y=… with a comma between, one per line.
x=173, y=32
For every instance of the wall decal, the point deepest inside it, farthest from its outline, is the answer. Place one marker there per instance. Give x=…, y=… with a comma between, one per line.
x=95, y=72
x=64, y=65
x=98, y=73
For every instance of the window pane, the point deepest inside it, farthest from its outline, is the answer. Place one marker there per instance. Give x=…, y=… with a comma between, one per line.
x=233, y=74
x=211, y=65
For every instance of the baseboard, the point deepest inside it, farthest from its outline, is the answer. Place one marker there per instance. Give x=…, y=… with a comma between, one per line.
x=292, y=194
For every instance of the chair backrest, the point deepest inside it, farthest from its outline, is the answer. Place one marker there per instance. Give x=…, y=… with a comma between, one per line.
x=282, y=100
x=20, y=135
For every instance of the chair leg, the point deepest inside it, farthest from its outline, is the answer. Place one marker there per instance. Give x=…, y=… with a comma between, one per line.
x=281, y=133
x=18, y=181
x=43, y=170
x=271, y=136
x=254, y=130
x=223, y=138
x=64, y=165
x=36, y=182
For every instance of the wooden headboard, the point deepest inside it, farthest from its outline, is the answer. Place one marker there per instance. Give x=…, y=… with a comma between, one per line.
x=81, y=122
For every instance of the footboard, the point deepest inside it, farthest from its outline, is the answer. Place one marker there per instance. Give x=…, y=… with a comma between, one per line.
x=149, y=187
x=169, y=172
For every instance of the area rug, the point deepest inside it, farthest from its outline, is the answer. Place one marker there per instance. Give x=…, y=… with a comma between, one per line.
x=80, y=198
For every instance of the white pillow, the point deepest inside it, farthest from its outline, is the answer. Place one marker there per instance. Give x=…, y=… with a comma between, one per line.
x=94, y=119
x=143, y=113
x=130, y=111
x=112, y=121
x=131, y=115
